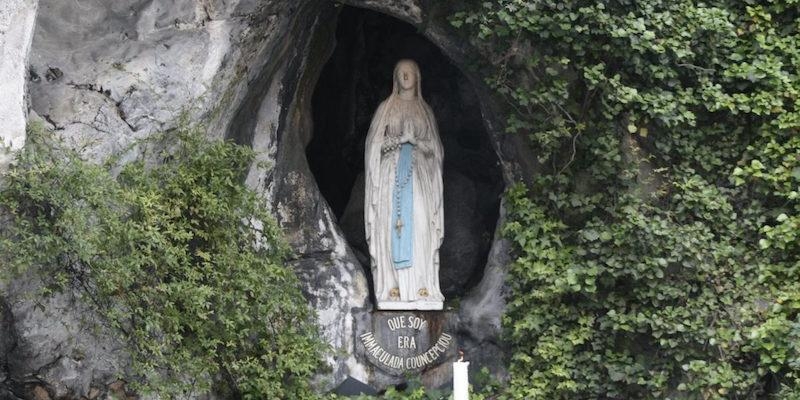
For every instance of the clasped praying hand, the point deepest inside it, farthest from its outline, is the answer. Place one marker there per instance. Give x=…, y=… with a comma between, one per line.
x=408, y=133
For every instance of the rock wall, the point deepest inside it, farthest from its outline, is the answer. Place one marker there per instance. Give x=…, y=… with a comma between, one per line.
x=280, y=128
x=104, y=74
x=16, y=32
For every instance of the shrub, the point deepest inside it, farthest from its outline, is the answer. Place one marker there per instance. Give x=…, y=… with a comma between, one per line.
x=179, y=257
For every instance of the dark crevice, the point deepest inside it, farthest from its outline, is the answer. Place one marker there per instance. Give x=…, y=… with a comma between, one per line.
x=51, y=122
x=9, y=388
x=353, y=82
x=243, y=123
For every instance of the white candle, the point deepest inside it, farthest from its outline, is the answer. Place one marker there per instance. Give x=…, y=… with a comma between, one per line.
x=460, y=380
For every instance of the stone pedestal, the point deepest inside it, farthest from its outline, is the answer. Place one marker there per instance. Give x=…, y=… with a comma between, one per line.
x=410, y=305
x=402, y=344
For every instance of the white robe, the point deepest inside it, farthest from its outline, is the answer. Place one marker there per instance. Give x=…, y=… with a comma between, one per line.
x=428, y=219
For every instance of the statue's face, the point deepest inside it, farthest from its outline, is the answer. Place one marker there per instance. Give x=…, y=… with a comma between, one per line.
x=406, y=76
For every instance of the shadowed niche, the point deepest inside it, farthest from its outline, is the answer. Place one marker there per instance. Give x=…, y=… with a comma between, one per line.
x=356, y=78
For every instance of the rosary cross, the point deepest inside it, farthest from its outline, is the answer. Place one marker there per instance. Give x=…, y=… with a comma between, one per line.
x=398, y=226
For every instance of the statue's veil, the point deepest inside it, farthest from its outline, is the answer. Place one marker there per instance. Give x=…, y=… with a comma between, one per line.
x=396, y=85
x=396, y=107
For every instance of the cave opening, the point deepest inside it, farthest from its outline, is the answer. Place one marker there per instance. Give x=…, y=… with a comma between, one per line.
x=355, y=79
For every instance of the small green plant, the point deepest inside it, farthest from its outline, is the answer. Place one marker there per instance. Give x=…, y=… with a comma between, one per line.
x=179, y=257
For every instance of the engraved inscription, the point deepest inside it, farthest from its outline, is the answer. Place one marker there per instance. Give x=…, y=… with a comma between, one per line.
x=406, y=363
x=404, y=343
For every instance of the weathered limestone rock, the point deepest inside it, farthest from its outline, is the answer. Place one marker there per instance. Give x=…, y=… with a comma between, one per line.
x=16, y=32
x=105, y=74
x=461, y=251
x=54, y=343
x=482, y=308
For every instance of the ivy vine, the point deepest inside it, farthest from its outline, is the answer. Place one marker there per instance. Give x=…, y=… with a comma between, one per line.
x=658, y=251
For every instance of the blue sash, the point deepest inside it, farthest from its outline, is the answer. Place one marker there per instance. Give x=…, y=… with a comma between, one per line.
x=403, y=206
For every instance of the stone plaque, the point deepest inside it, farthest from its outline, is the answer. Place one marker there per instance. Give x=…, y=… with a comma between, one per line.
x=405, y=342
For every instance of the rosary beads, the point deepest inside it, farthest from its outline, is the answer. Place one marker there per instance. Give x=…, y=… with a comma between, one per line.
x=399, y=186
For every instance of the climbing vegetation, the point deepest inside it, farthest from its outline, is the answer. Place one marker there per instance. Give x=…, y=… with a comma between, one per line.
x=175, y=254
x=657, y=243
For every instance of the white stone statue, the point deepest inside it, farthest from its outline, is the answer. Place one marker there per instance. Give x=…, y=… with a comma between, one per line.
x=403, y=197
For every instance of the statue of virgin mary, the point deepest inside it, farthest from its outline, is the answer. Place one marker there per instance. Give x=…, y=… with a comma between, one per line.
x=403, y=197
